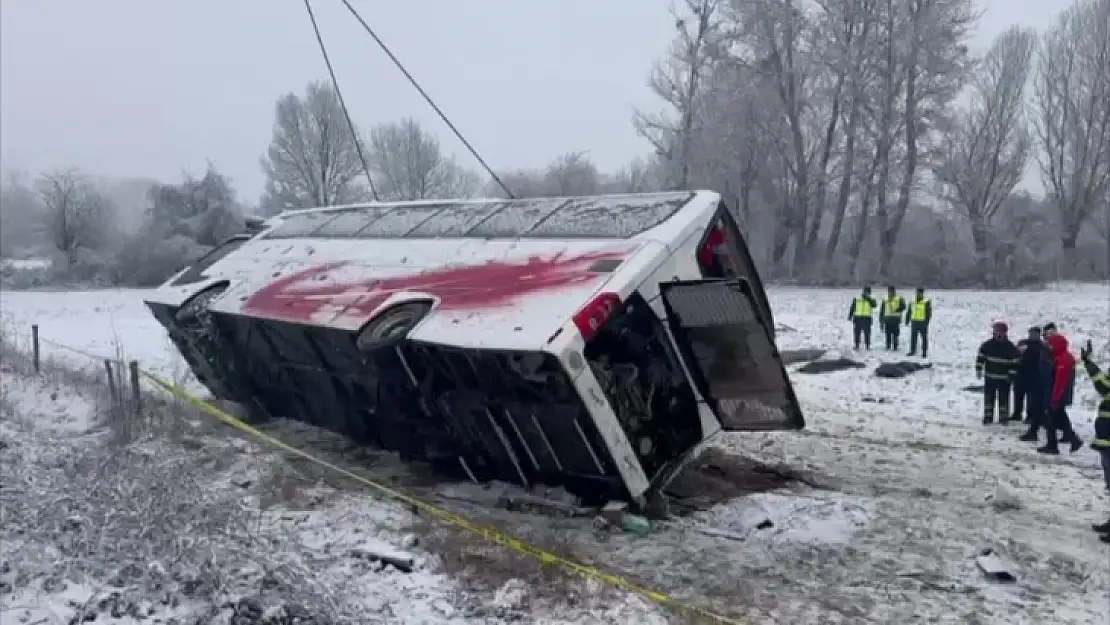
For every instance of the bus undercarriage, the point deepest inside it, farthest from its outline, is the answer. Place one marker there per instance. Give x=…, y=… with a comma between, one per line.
x=473, y=414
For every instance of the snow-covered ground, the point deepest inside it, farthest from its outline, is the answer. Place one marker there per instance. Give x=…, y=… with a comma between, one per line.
x=911, y=481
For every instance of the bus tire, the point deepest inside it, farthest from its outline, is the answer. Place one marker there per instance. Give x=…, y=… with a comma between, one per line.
x=391, y=327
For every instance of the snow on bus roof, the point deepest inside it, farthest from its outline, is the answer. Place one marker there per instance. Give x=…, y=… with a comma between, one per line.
x=594, y=217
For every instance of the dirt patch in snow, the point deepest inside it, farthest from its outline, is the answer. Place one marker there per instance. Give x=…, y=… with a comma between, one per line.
x=718, y=477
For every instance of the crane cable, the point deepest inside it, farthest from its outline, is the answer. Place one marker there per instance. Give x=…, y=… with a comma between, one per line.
x=427, y=98
x=342, y=102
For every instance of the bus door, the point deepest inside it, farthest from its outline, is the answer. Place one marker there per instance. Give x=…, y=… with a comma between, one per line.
x=730, y=352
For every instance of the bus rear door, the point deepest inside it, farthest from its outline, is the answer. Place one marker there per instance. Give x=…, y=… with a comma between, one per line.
x=731, y=354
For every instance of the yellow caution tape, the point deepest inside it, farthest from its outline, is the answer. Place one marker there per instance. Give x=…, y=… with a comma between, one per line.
x=489, y=533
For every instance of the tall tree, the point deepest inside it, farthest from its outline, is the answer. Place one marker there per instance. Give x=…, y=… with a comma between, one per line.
x=313, y=158
x=983, y=153
x=570, y=174
x=409, y=165
x=203, y=209
x=677, y=80
x=20, y=213
x=75, y=216
x=1072, y=120
x=934, y=69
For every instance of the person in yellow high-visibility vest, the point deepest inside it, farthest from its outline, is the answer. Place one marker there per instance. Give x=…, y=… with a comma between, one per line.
x=918, y=315
x=890, y=316
x=1101, y=444
x=859, y=313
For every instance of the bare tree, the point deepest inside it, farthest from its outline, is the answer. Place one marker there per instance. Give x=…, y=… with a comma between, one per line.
x=776, y=40
x=639, y=176
x=570, y=174
x=1071, y=92
x=19, y=215
x=934, y=68
x=984, y=152
x=525, y=183
x=573, y=174
x=678, y=81
x=852, y=53
x=75, y=215
x=313, y=158
x=204, y=210
x=409, y=164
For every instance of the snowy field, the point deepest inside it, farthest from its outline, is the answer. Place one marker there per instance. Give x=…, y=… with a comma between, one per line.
x=909, y=481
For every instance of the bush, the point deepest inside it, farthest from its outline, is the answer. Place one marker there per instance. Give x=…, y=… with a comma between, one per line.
x=147, y=262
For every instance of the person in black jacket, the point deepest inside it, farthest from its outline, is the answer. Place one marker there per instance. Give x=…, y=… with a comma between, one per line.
x=997, y=361
x=1034, y=373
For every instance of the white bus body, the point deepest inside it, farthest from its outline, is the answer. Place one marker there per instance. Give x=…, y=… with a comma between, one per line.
x=588, y=342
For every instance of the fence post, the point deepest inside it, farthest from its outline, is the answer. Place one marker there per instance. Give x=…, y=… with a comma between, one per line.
x=35, y=346
x=112, y=389
x=135, y=390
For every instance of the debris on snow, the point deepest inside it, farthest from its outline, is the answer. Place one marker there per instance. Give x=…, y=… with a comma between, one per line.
x=900, y=369
x=512, y=596
x=613, y=511
x=401, y=562
x=792, y=356
x=995, y=567
x=829, y=366
x=1005, y=497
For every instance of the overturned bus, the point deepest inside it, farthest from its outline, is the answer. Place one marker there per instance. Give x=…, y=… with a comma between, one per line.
x=588, y=342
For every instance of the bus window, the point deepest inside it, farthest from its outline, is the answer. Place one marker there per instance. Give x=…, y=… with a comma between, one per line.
x=196, y=271
x=714, y=258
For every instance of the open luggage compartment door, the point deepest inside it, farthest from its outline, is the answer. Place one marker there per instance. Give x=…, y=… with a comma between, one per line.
x=730, y=351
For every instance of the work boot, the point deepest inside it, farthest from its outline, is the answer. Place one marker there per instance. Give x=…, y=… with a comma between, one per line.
x=988, y=420
x=1076, y=444
x=1029, y=437
x=1102, y=528
x=1104, y=538
x=911, y=353
x=1051, y=450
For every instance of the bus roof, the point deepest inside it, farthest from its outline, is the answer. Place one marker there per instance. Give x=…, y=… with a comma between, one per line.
x=587, y=217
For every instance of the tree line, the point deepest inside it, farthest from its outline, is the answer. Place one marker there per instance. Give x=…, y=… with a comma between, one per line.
x=864, y=140
x=855, y=140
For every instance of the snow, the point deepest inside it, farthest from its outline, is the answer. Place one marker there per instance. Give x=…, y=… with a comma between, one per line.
x=25, y=264
x=909, y=499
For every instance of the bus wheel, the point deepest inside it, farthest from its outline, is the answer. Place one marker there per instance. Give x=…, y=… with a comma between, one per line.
x=392, y=326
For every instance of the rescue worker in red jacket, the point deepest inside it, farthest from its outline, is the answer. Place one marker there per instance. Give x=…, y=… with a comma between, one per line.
x=997, y=361
x=1063, y=390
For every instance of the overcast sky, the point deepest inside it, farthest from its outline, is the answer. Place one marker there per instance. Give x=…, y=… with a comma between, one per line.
x=153, y=88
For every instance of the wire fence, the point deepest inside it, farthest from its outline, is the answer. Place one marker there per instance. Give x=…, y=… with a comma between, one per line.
x=122, y=377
